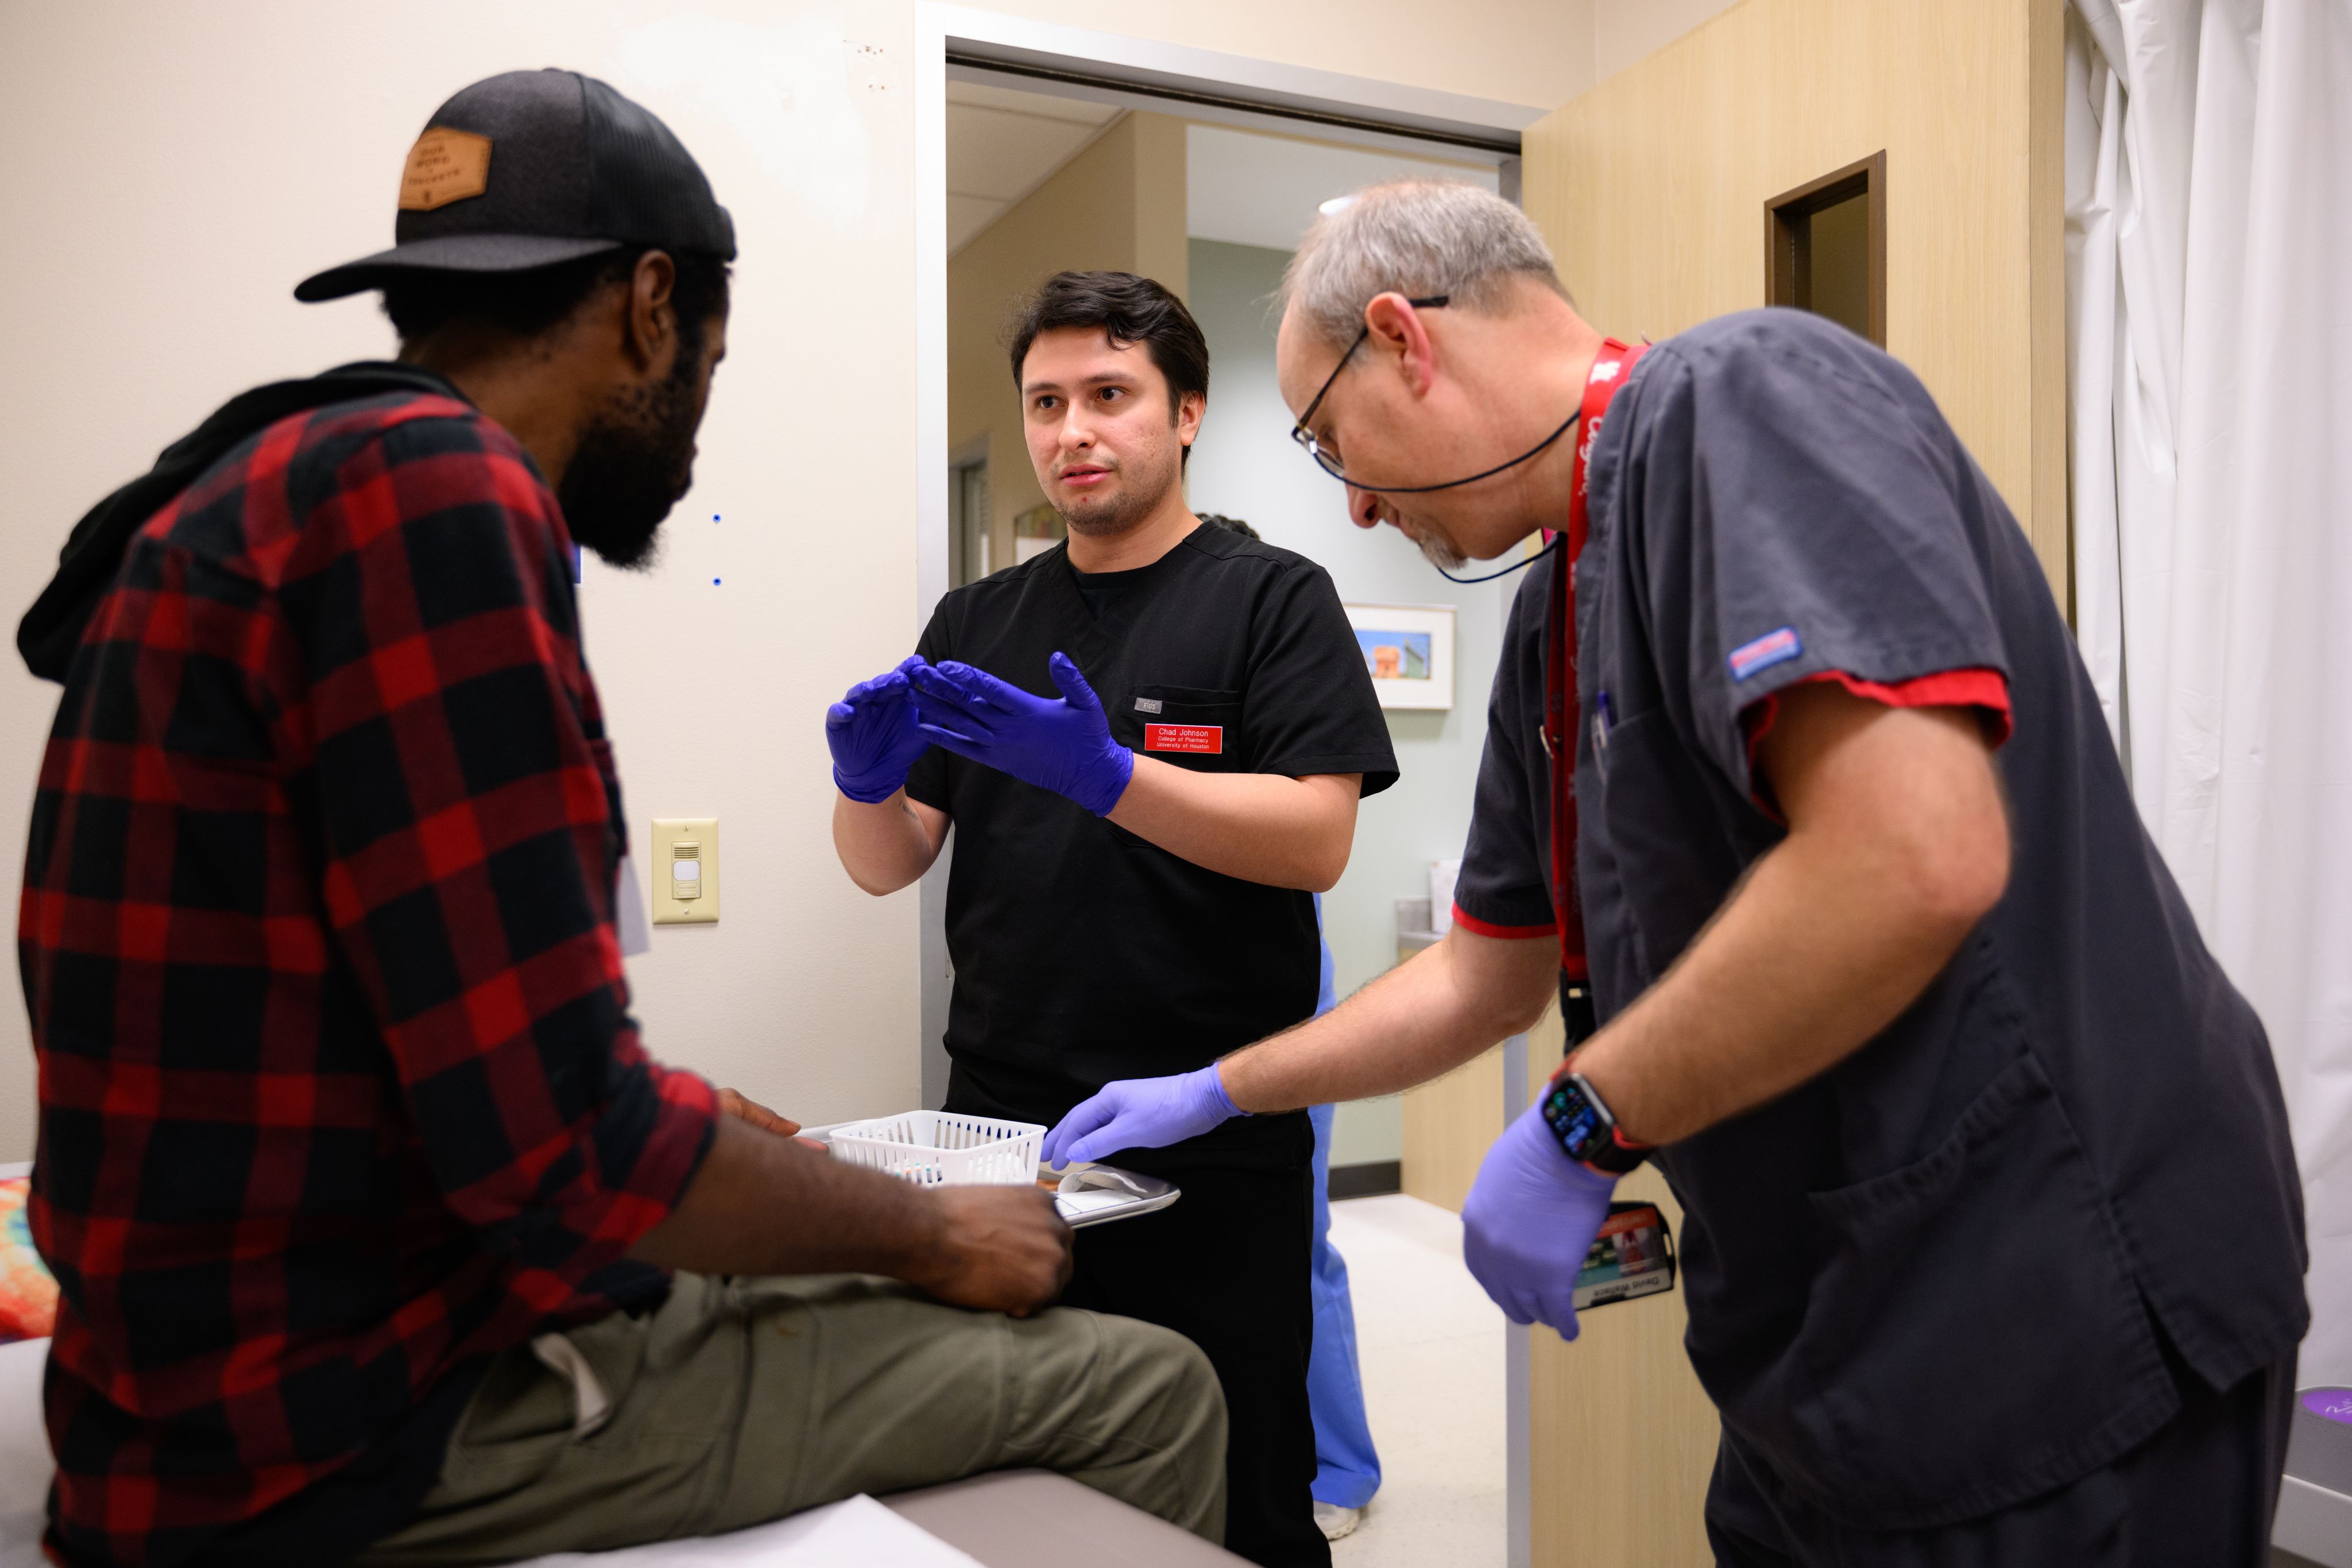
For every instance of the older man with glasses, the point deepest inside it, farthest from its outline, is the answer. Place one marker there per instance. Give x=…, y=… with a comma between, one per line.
x=1796, y=791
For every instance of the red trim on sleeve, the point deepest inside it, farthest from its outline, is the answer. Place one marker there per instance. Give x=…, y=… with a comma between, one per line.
x=1976, y=688
x=1478, y=927
x=1985, y=690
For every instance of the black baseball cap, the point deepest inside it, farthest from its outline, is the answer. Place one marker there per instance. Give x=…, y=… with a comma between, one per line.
x=532, y=168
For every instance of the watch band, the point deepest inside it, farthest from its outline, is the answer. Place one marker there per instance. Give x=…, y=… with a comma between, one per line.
x=1618, y=1156
x=1588, y=1132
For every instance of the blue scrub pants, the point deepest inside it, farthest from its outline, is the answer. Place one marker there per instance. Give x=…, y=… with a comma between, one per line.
x=1347, y=1468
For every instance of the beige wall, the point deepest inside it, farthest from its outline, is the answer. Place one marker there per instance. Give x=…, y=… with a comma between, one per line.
x=1651, y=188
x=1116, y=206
x=173, y=171
x=1624, y=31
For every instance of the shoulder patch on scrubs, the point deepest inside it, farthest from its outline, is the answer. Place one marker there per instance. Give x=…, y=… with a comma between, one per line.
x=1770, y=649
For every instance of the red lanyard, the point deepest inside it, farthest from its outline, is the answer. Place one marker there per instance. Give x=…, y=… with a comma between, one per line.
x=1610, y=369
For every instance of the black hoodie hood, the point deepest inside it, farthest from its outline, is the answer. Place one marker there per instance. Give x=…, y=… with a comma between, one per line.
x=93, y=552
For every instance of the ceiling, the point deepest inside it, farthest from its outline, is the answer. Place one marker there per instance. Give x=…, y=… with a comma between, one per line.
x=1246, y=188
x=1241, y=186
x=1004, y=144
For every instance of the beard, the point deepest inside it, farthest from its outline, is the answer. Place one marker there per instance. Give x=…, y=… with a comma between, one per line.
x=634, y=462
x=1108, y=516
x=1442, y=554
x=1435, y=546
x=1105, y=516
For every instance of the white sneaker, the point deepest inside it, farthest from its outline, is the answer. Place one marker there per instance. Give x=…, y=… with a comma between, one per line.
x=1335, y=1521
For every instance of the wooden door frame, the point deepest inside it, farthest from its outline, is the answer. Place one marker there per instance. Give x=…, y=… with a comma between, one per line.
x=1787, y=234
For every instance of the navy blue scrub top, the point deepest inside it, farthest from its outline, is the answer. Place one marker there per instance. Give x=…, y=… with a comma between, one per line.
x=1082, y=952
x=1930, y=1282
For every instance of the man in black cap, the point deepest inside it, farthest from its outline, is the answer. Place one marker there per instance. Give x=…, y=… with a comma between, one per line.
x=359, y=1187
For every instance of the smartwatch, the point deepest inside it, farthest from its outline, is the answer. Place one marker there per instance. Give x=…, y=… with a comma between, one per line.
x=1588, y=1133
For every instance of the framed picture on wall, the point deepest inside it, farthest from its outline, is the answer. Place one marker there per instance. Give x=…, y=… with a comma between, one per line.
x=1409, y=649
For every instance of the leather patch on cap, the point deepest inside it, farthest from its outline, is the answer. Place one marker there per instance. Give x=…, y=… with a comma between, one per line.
x=445, y=166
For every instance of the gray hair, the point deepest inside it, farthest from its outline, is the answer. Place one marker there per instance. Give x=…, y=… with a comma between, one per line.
x=1414, y=237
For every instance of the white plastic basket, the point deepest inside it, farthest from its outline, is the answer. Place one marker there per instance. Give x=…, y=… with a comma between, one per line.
x=932, y=1148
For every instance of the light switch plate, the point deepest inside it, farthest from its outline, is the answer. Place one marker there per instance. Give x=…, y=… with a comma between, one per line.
x=694, y=841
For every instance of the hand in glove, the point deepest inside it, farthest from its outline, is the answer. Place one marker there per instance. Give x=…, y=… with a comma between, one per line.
x=1141, y=1113
x=873, y=734
x=1062, y=744
x=1529, y=1221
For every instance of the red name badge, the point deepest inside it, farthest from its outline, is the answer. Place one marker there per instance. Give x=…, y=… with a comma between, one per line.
x=1201, y=737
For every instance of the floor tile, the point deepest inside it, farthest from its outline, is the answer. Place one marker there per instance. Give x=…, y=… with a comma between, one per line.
x=1431, y=1345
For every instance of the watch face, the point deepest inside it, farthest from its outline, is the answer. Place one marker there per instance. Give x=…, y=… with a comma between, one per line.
x=1575, y=1121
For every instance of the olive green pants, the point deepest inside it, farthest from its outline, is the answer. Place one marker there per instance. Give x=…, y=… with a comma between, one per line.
x=742, y=1400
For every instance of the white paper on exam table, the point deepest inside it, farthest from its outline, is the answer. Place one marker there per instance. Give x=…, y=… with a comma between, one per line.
x=857, y=1532
x=25, y=1466
x=1088, y=1193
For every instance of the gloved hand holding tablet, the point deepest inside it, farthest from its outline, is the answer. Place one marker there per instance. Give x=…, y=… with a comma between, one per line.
x=1141, y=1113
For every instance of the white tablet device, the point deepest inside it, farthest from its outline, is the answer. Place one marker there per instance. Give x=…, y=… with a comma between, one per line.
x=1096, y=1195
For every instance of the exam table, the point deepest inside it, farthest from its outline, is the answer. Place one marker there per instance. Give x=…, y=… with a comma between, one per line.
x=1008, y=1518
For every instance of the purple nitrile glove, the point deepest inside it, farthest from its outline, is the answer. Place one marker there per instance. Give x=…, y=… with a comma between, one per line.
x=1062, y=744
x=873, y=736
x=1528, y=1222
x=1141, y=1114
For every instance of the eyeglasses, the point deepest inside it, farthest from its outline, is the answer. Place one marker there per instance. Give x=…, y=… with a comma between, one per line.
x=1305, y=438
x=1329, y=465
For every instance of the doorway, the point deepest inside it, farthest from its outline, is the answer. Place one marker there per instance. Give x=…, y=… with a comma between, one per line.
x=1033, y=133
x=1825, y=248
x=969, y=542
x=1107, y=161
x=1043, y=174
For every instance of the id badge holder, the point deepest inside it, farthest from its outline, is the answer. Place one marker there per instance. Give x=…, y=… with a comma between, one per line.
x=1632, y=1256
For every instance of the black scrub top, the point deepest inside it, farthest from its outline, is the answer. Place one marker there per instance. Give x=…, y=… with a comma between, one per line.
x=1929, y=1283
x=1082, y=952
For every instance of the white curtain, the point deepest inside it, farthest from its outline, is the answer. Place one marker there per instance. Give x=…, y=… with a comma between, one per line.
x=2209, y=205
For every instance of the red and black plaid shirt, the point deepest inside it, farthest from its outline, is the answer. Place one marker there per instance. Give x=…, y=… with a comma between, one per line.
x=339, y=1089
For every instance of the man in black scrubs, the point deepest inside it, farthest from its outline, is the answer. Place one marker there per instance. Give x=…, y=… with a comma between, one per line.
x=1152, y=741
x=1888, y=978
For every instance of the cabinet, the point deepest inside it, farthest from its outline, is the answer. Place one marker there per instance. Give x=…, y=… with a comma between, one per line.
x=1612, y=1438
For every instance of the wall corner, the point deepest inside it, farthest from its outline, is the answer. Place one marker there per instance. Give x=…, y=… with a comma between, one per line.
x=1161, y=249
x=2050, y=519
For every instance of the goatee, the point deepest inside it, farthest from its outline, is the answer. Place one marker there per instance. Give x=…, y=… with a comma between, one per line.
x=1108, y=519
x=1441, y=554
x=1111, y=516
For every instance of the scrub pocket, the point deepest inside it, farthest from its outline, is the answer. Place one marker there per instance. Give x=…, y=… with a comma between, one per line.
x=1191, y=726
x=1657, y=882
x=1975, y=1335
